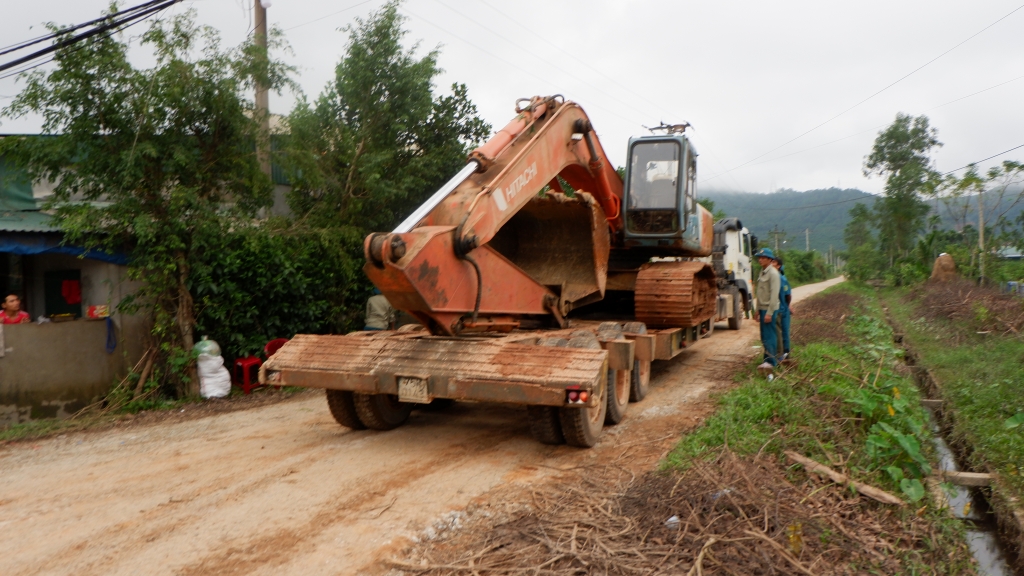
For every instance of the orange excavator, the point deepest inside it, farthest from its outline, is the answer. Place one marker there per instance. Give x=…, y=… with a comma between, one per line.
x=538, y=277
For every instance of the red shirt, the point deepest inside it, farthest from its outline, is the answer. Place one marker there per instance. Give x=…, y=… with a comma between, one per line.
x=19, y=318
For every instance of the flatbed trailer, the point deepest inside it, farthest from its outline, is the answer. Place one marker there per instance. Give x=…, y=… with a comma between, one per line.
x=608, y=363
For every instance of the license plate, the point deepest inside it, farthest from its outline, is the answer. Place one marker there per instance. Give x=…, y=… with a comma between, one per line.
x=413, y=390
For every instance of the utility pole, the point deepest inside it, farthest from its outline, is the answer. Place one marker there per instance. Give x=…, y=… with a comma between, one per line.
x=776, y=234
x=262, y=91
x=981, y=234
x=807, y=239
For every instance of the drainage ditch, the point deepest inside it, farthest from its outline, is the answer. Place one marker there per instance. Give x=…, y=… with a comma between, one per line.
x=995, y=532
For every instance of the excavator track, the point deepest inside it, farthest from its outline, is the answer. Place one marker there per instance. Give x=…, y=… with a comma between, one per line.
x=675, y=294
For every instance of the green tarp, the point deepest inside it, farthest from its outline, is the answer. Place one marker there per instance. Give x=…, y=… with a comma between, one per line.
x=15, y=189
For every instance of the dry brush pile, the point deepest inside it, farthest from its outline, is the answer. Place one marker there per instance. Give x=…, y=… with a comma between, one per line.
x=982, y=308
x=727, y=516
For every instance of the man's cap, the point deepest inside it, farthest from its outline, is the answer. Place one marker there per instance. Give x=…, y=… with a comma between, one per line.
x=766, y=252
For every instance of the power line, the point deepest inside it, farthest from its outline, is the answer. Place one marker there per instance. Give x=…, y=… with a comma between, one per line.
x=124, y=22
x=613, y=81
x=983, y=159
x=904, y=77
x=64, y=31
x=817, y=205
x=74, y=49
x=329, y=15
x=869, y=129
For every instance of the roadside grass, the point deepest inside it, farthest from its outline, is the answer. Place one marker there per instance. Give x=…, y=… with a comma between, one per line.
x=850, y=405
x=981, y=377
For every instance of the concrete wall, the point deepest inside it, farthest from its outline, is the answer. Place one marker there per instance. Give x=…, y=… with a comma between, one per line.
x=55, y=369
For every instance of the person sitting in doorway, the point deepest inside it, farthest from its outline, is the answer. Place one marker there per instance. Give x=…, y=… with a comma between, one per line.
x=12, y=312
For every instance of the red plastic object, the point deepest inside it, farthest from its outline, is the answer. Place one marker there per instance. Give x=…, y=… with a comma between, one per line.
x=246, y=373
x=274, y=346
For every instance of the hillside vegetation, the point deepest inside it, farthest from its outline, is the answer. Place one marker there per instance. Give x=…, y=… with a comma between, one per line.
x=824, y=212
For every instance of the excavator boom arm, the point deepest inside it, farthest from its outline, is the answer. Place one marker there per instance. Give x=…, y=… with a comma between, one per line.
x=441, y=268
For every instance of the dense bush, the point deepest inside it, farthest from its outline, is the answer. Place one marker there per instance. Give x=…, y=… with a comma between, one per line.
x=256, y=285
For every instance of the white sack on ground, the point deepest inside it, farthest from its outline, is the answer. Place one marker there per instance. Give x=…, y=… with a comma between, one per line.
x=214, y=379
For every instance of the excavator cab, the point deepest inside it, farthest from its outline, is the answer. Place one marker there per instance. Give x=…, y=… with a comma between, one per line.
x=661, y=209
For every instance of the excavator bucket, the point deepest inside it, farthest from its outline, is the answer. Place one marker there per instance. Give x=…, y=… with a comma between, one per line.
x=562, y=243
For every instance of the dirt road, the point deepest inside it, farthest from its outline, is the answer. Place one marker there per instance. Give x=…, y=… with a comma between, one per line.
x=284, y=489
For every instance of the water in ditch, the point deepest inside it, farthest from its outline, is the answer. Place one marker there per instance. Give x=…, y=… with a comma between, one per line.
x=970, y=506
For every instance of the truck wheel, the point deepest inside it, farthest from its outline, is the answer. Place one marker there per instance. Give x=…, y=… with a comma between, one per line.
x=343, y=409
x=737, y=311
x=582, y=426
x=640, y=380
x=545, y=425
x=618, y=396
x=381, y=411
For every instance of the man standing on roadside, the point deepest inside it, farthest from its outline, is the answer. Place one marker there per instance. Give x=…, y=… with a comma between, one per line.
x=785, y=299
x=769, y=286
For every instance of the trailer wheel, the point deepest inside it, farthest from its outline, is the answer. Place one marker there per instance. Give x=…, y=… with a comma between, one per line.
x=619, y=386
x=381, y=411
x=343, y=409
x=545, y=425
x=737, y=310
x=640, y=380
x=582, y=426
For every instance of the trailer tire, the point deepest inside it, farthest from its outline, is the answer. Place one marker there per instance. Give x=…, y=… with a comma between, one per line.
x=737, y=310
x=582, y=426
x=381, y=411
x=639, y=380
x=343, y=409
x=545, y=425
x=619, y=388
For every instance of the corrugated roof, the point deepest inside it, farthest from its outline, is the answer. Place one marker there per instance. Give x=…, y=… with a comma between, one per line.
x=26, y=221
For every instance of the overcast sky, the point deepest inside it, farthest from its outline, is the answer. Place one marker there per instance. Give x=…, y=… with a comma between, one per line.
x=749, y=76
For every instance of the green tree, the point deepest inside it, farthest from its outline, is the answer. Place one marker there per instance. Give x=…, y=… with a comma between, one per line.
x=863, y=260
x=901, y=154
x=378, y=142
x=710, y=205
x=158, y=162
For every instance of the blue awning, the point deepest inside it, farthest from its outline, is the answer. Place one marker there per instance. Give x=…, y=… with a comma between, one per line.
x=28, y=243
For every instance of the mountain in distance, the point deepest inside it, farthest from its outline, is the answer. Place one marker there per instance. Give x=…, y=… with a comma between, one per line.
x=824, y=212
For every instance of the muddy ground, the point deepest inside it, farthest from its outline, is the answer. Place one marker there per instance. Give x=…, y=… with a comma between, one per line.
x=283, y=489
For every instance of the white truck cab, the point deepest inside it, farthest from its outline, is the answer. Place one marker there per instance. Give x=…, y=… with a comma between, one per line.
x=732, y=258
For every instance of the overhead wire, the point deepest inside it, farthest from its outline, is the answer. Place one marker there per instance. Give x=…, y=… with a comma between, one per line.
x=902, y=78
x=872, y=128
x=869, y=196
x=73, y=49
x=63, y=31
x=983, y=160
x=612, y=80
x=133, y=18
x=329, y=15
